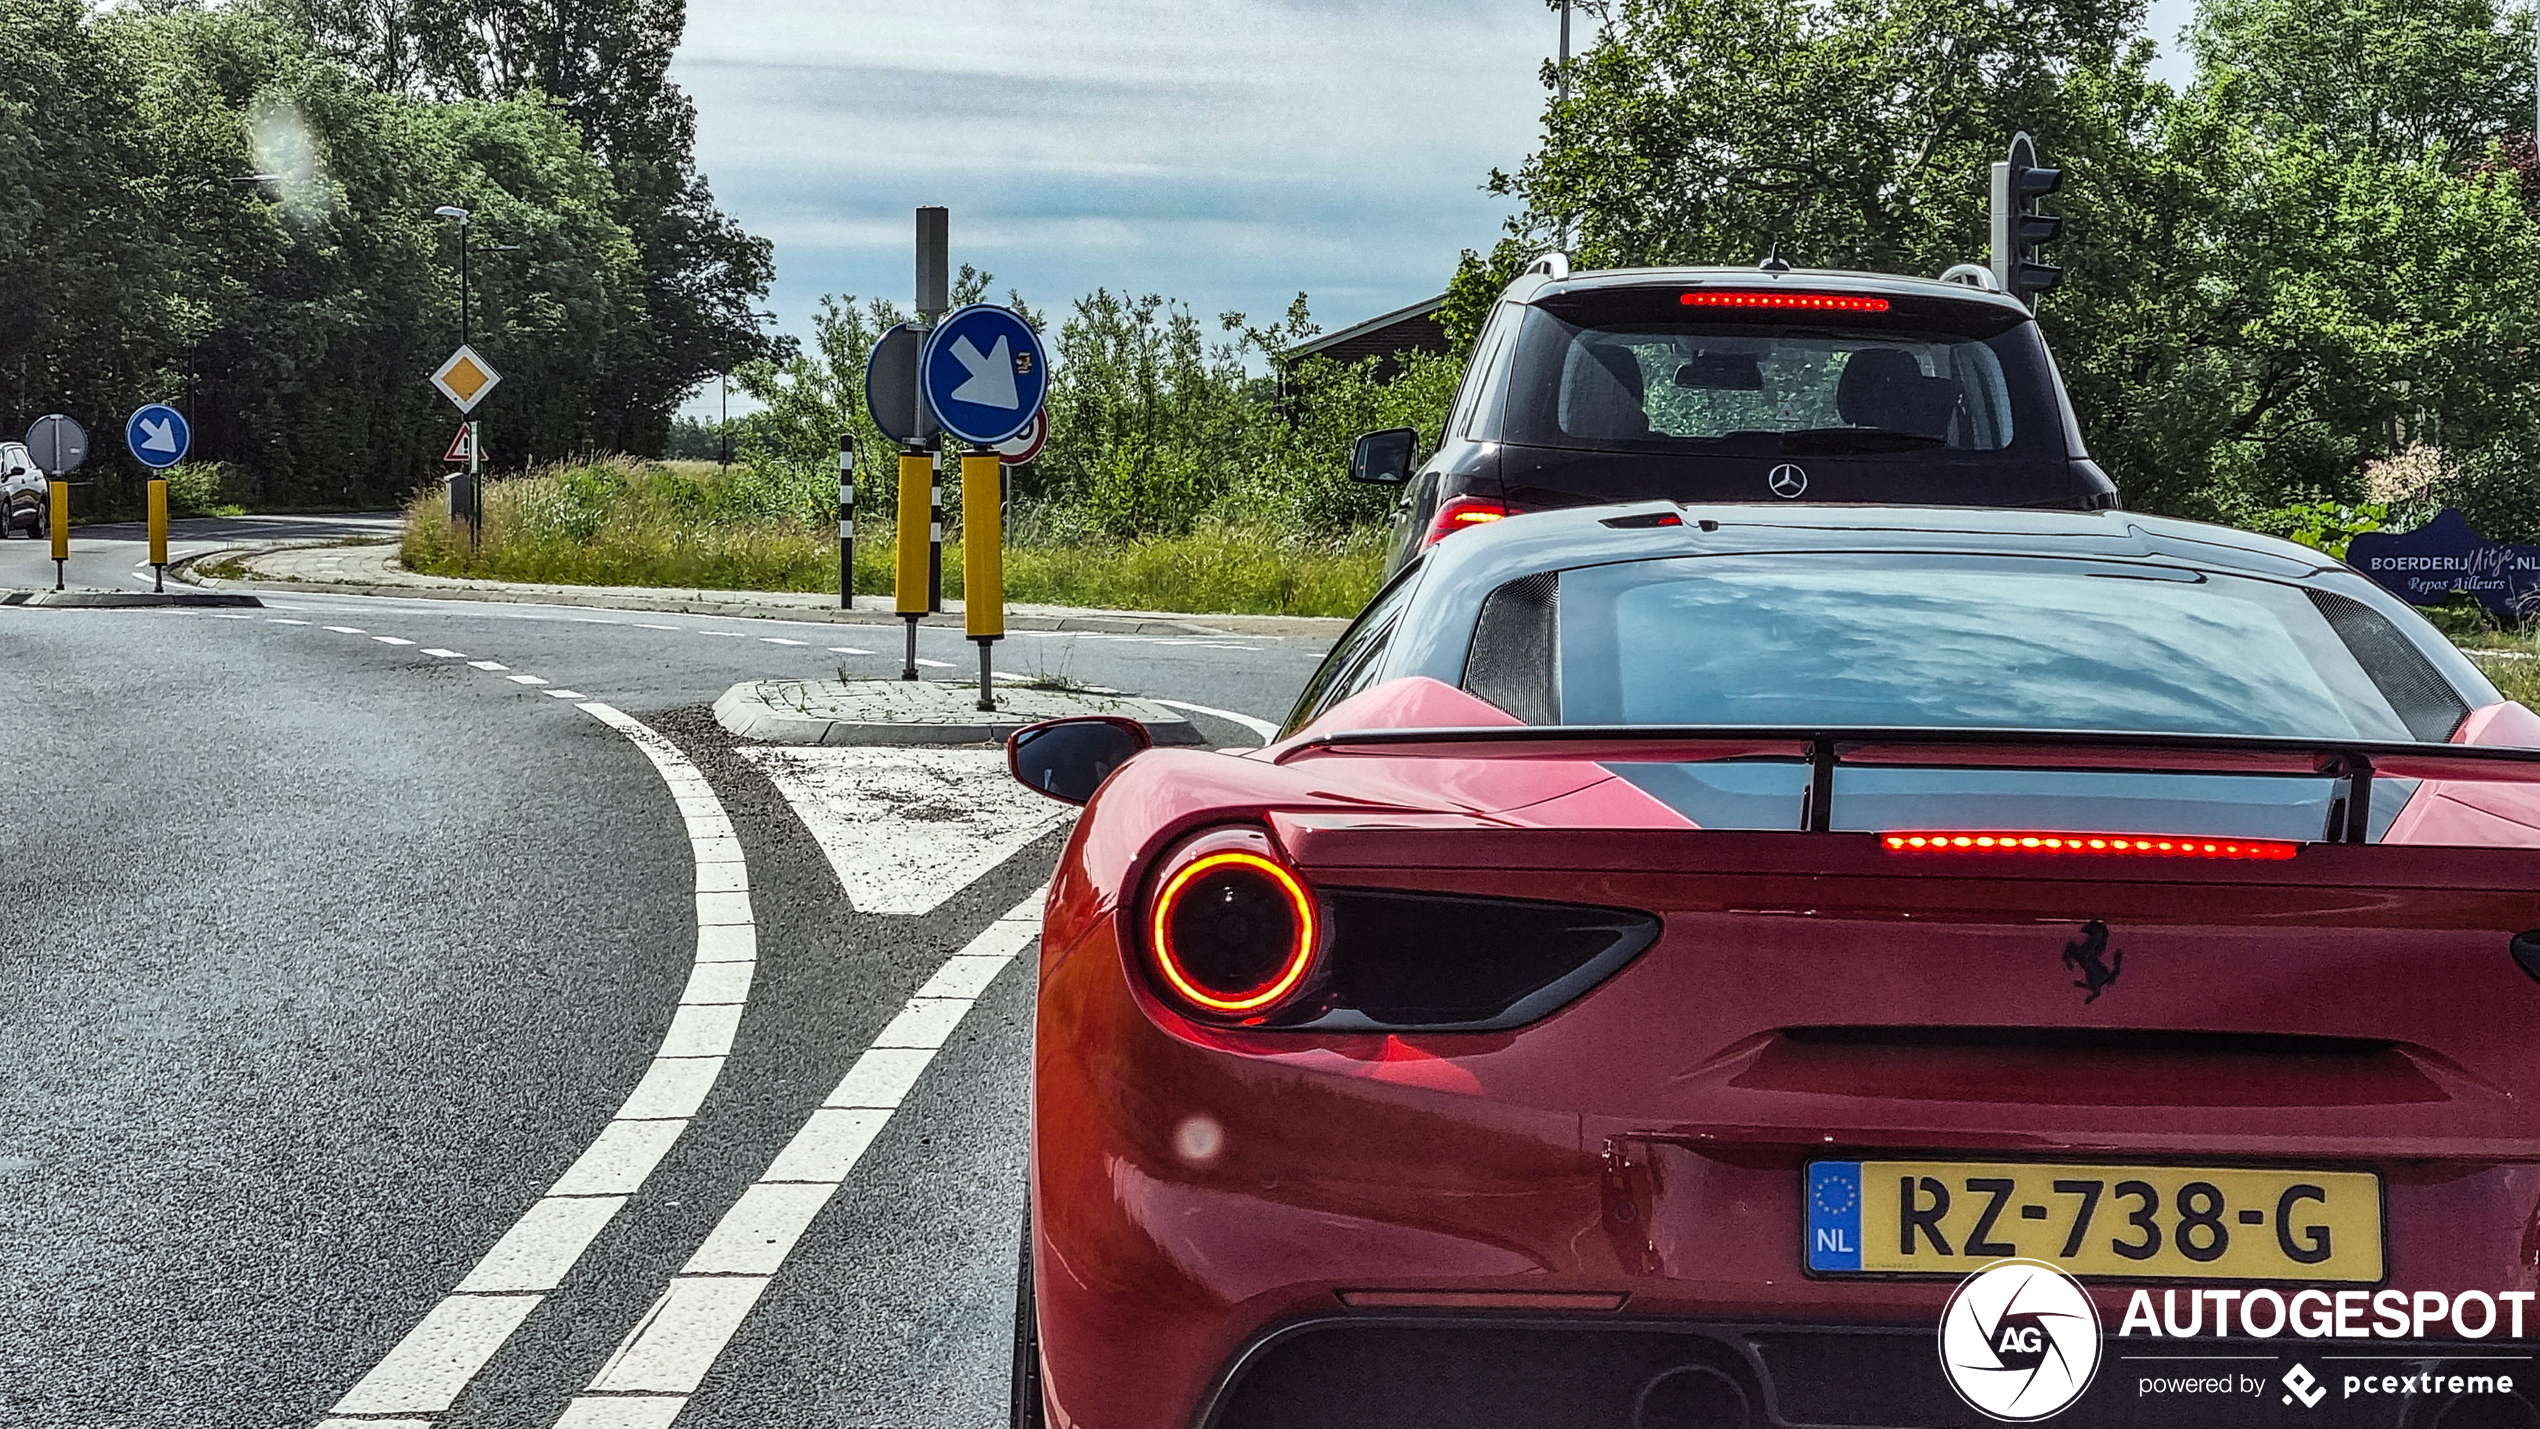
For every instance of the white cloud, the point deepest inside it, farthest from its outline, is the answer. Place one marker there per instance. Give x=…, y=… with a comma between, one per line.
x=1226, y=152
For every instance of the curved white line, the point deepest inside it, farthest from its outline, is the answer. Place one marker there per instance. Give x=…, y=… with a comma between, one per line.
x=661, y=1361
x=429, y=1368
x=1262, y=727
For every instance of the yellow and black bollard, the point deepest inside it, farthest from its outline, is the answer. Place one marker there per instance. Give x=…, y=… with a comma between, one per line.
x=982, y=559
x=158, y=533
x=917, y=484
x=58, y=517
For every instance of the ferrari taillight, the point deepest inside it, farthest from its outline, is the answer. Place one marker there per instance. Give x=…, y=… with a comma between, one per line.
x=1232, y=932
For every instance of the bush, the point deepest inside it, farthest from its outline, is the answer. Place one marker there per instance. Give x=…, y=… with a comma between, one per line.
x=623, y=521
x=208, y=488
x=2322, y=525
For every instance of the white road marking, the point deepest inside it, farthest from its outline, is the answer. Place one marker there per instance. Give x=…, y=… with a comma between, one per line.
x=439, y=654
x=427, y=1370
x=847, y=650
x=779, y=640
x=668, y=1352
x=436, y=1359
x=906, y=829
x=278, y=620
x=225, y=615
x=390, y=640
x=487, y=665
x=936, y=664
x=524, y=679
x=1262, y=727
x=732, y=634
x=640, y=625
x=347, y=630
x=566, y=694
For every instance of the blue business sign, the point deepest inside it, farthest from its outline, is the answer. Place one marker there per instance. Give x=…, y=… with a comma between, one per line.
x=158, y=435
x=2430, y=564
x=984, y=374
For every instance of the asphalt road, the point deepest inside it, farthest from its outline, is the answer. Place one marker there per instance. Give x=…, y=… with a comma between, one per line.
x=324, y=957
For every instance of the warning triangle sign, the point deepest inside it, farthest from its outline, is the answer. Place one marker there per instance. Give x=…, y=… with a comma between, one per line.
x=463, y=445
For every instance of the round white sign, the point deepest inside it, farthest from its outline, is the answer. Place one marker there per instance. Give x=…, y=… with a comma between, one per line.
x=2019, y=1341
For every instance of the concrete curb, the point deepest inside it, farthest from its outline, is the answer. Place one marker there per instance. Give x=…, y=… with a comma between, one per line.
x=904, y=712
x=749, y=605
x=128, y=600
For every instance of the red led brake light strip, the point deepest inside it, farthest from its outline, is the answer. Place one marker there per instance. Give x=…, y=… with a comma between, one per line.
x=1806, y=302
x=2137, y=845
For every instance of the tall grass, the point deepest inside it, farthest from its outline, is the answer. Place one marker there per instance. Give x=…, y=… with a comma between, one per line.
x=621, y=521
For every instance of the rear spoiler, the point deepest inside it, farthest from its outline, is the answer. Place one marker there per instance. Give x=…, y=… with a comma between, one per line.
x=2356, y=763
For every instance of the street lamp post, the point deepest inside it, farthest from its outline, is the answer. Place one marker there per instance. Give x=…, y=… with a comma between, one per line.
x=454, y=211
x=465, y=505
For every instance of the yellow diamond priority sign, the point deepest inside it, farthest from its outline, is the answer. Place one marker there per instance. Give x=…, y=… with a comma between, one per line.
x=466, y=378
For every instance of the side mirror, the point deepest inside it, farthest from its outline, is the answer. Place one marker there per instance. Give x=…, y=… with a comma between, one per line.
x=1069, y=758
x=1383, y=457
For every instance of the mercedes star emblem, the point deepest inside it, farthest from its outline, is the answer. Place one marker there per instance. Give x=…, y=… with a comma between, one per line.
x=1787, y=481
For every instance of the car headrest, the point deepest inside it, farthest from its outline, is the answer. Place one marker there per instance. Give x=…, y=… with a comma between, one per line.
x=1884, y=387
x=1605, y=393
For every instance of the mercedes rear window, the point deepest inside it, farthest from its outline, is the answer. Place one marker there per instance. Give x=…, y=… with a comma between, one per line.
x=1884, y=640
x=1642, y=376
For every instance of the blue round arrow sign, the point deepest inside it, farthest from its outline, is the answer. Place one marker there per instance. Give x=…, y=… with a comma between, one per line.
x=984, y=373
x=158, y=436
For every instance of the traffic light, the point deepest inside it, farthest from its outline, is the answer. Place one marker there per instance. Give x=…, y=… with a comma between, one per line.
x=2019, y=229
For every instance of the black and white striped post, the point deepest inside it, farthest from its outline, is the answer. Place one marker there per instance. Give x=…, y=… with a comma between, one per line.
x=935, y=537
x=846, y=523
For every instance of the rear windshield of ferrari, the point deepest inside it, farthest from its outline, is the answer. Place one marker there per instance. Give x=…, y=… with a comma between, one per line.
x=1874, y=641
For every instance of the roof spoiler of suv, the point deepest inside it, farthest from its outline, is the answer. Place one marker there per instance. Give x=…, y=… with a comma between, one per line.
x=1554, y=264
x=2353, y=762
x=1974, y=275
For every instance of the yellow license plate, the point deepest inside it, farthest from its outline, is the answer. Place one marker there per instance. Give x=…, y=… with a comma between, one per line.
x=2164, y=1222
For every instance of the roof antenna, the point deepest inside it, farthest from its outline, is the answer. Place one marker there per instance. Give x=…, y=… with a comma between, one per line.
x=1774, y=262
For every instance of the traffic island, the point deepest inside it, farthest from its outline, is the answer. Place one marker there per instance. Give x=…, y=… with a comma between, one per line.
x=128, y=599
x=919, y=712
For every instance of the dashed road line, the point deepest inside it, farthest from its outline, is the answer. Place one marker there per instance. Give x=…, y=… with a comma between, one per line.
x=666, y=1355
x=847, y=650
x=445, y=654
x=935, y=664
x=524, y=679
x=426, y=1371
x=390, y=640
x=347, y=629
x=780, y=640
x=487, y=665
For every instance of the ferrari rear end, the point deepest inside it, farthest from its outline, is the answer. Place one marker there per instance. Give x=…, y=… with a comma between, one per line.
x=1450, y=1065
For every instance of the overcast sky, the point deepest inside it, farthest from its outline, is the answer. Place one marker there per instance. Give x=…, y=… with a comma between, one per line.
x=1229, y=153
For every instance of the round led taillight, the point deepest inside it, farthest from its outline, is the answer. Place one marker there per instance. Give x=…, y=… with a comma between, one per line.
x=1233, y=933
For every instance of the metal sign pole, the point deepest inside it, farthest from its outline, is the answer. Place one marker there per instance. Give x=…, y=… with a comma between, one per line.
x=158, y=533
x=475, y=484
x=60, y=520
x=982, y=560
x=934, y=298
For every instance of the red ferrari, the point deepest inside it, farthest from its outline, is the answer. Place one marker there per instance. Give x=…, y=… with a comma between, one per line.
x=1671, y=948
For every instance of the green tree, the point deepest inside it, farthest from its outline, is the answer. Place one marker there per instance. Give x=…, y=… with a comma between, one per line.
x=606, y=65
x=2311, y=258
